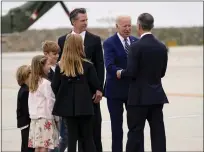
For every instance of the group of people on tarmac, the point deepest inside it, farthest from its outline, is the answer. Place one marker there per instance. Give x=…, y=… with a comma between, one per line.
x=60, y=92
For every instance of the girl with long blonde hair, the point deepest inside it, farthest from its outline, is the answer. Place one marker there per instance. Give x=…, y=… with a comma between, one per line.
x=74, y=83
x=43, y=134
x=73, y=56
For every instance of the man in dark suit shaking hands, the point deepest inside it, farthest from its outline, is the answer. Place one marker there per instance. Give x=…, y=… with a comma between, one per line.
x=93, y=51
x=147, y=63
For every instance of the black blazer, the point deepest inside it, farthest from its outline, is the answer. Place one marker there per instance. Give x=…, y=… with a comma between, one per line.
x=22, y=107
x=147, y=63
x=93, y=51
x=73, y=94
x=50, y=74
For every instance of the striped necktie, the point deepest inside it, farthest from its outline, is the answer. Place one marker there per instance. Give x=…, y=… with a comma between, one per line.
x=126, y=46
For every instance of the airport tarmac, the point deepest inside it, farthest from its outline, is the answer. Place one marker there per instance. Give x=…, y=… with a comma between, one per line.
x=183, y=116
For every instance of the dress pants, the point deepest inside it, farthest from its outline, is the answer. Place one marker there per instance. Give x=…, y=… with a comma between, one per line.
x=80, y=127
x=97, y=119
x=116, y=109
x=64, y=138
x=136, y=117
x=24, y=144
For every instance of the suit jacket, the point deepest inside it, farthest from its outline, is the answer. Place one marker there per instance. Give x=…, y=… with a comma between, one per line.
x=73, y=94
x=51, y=74
x=22, y=107
x=115, y=59
x=147, y=63
x=93, y=51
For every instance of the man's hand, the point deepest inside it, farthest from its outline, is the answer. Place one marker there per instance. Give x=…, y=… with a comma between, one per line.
x=97, y=97
x=118, y=73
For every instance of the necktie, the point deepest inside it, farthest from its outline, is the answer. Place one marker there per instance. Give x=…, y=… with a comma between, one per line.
x=126, y=46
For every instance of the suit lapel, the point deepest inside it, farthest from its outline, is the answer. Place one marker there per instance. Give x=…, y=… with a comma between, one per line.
x=63, y=42
x=86, y=39
x=120, y=45
x=87, y=45
x=132, y=40
x=50, y=74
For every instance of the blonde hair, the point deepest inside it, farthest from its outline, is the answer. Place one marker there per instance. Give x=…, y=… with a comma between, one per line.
x=50, y=46
x=73, y=55
x=37, y=71
x=22, y=74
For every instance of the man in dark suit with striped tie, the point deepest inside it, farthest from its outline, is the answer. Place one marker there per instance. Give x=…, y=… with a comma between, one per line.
x=116, y=91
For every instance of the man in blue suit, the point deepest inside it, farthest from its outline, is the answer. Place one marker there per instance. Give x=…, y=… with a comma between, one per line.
x=116, y=91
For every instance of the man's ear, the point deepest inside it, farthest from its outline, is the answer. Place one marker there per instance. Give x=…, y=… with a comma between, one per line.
x=73, y=22
x=140, y=27
x=116, y=25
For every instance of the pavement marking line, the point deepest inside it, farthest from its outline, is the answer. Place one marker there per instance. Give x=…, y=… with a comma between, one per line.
x=185, y=116
x=185, y=95
x=9, y=87
x=169, y=117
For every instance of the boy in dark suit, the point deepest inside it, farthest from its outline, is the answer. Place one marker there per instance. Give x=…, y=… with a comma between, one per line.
x=23, y=120
x=51, y=51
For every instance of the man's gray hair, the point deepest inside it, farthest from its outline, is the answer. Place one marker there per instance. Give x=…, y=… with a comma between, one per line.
x=146, y=21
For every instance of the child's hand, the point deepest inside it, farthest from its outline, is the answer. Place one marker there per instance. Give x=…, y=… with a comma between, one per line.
x=97, y=97
x=57, y=122
x=57, y=118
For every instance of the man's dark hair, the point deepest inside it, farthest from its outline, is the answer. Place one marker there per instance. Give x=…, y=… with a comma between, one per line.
x=73, y=15
x=146, y=21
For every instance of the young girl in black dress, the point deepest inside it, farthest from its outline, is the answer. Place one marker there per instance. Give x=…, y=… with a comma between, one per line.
x=74, y=82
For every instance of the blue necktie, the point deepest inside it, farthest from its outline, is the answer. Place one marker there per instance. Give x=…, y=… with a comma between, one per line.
x=126, y=46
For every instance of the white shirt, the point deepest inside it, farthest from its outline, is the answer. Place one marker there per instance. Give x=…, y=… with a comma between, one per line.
x=53, y=67
x=145, y=34
x=123, y=40
x=82, y=34
x=41, y=102
x=140, y=37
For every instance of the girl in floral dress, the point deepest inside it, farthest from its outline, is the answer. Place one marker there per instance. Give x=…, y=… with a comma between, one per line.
x=43, y=133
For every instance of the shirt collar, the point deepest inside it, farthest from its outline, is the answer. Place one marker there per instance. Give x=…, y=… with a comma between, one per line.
x=53, y=67
x=82, y=33
x=121, y=38
x=145, y=34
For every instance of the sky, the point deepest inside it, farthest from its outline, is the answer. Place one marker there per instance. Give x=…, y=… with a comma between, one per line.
x=166, y=14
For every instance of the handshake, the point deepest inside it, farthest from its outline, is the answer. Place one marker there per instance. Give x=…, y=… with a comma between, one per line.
x=118, y=74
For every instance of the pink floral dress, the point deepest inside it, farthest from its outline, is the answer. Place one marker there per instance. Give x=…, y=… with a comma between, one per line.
x=43, y=133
